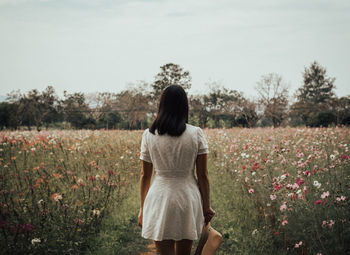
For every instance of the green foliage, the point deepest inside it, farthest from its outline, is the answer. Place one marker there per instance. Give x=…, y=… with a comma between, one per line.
x=171, y=74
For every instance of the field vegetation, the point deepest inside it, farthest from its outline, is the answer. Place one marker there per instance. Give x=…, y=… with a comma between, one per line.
x=275, y=190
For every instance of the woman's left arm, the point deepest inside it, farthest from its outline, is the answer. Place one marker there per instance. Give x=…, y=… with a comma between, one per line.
x=145, y=182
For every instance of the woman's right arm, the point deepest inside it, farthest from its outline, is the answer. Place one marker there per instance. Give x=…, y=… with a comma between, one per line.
x=204, y=187
x=145, y=181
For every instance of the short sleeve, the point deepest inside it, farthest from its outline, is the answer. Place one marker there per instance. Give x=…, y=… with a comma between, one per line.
x=144, y=154
x=202, y=142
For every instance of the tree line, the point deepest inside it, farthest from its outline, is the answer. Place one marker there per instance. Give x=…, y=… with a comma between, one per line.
x=313, y=104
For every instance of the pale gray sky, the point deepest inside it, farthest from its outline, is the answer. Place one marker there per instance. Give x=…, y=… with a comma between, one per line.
x=87, y=46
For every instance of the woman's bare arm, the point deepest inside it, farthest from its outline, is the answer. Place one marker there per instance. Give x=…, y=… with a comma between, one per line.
x=204, y=187
x=145, y=182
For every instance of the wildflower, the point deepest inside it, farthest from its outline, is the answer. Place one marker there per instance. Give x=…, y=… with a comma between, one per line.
x=300, y=181
x=35, y=240
x=246, y=179
x=111, y=172
x=297, y=245
x=96, y=212
x=324, y=223
x=283, y=207
x=283, y=176
x=318, y=202
x=331, y=223
x=341, y=198
x=272, y=196
x=295, y=186
x=254, y=231
x=317, y=184
x=56, y=197
x=40, y=201
x=332, y=157
x=251, y=191
x=74, y=186
x=325, y=194
x=284, y=222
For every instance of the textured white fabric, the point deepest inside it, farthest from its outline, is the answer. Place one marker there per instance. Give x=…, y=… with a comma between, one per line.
x=173, y=205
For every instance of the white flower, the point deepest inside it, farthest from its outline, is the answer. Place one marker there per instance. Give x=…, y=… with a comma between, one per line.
x=317, y=184
x=298, y=191
x=40, y=201
x=332, y=156
x=35, y=240
x=283, y=176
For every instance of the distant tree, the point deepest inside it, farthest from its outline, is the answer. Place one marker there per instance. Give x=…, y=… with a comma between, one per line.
x=100, y=108
x=315, y=97
x=50, y=108
x=134, y=105
x=273, y=97
x=6, y=112
x=171, y=74
x=76, y=110
x=247, y=115
x=198, y=114
x=341, y=108
x=222, y=104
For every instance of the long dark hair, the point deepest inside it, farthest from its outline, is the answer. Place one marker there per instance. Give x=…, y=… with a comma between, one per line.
x=172, y=112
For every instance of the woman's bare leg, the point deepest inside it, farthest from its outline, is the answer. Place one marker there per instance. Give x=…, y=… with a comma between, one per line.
x=165, y=247
x=183, y=247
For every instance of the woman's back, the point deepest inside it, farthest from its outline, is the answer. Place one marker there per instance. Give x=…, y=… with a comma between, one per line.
x=173, y=156
x=173, y=206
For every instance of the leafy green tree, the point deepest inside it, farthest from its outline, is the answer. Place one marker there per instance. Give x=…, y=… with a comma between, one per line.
x=76, y=109
x=223, y=105
x=171, y=74
x=315, y=97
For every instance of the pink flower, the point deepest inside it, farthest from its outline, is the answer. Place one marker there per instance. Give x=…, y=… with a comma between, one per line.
x=295, y=186
x=319, y=253
x=331, y=223
x=283, y=207
x=325, y=194
x=297, y=245
x=272, y=196
x=318, y=202
x=300, y=181
x=284, y=222
x=324, y=223
x=251, y=191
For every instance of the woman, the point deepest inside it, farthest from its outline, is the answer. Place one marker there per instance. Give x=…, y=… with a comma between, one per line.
x=175, y=207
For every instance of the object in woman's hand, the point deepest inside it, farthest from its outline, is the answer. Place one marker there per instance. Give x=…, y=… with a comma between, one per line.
x=209, y=241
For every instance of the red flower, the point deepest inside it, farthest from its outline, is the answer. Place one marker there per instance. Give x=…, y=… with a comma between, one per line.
x=300, y=181
x=318, y=202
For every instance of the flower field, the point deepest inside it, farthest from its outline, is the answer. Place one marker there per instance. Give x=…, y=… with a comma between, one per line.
x=283, y=191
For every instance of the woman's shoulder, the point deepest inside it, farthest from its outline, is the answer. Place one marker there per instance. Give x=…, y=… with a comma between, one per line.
x=192, y=127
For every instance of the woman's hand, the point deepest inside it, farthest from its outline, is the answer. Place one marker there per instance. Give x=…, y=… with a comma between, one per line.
x=208, y=215
x=139, y=218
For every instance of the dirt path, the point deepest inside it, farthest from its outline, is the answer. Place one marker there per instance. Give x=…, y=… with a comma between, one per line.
x=151, y=250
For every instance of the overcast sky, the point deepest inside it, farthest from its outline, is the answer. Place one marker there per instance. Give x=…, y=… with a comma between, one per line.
x=88, y=46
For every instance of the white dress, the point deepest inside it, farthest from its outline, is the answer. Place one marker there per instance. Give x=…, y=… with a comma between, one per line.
x=173, y=205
